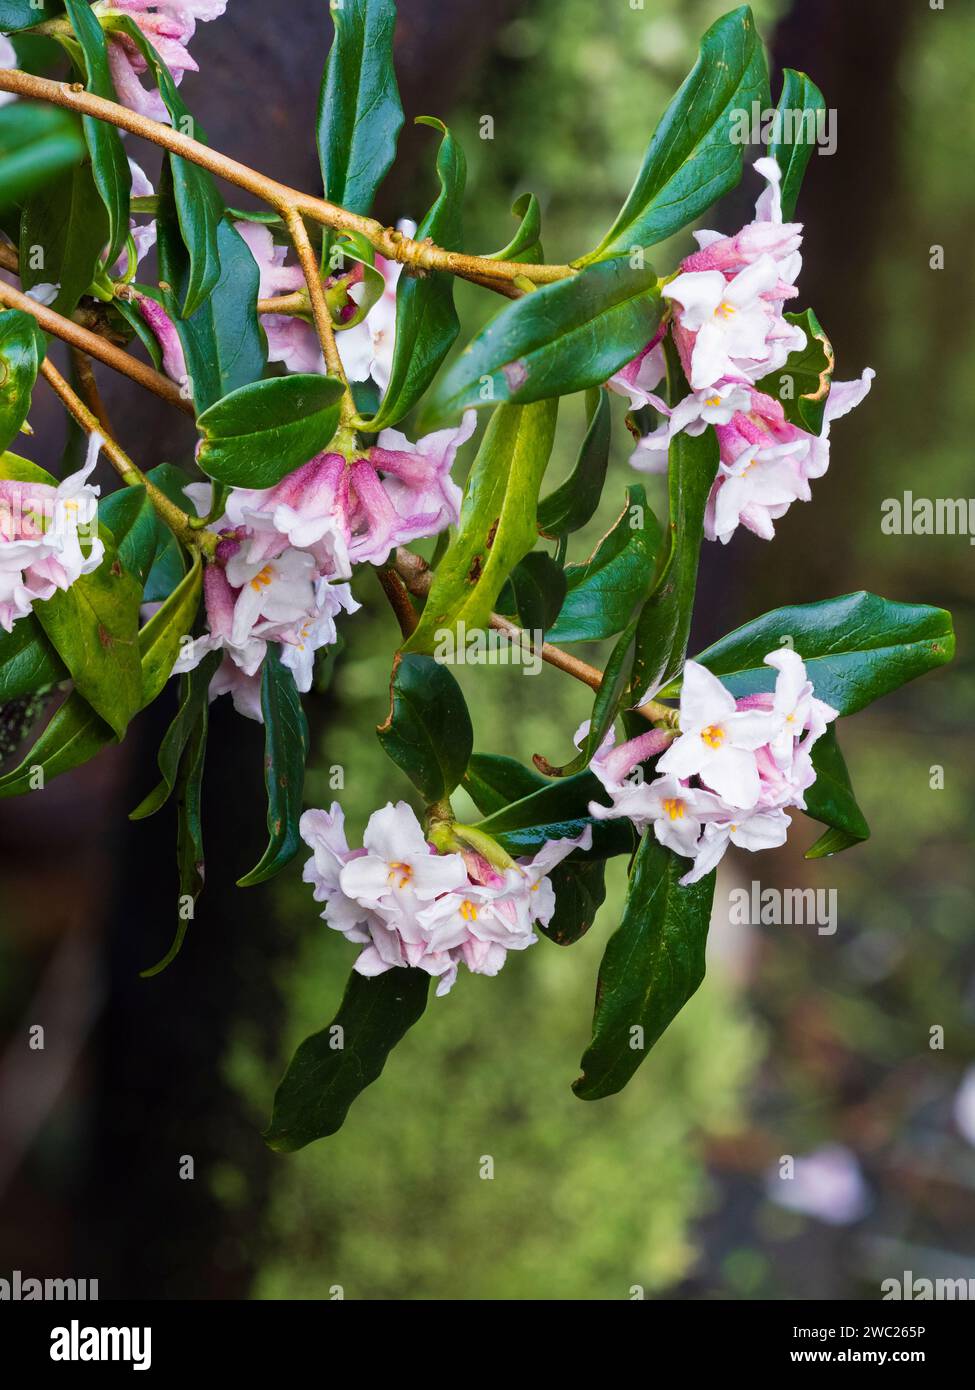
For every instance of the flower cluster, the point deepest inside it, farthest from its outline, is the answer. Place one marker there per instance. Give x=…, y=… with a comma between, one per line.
x=48, y=538
x=169, y=25
x=407, y=905
x=730, y=774
x=730, y=332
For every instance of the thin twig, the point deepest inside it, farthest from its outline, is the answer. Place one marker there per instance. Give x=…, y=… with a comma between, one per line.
x=399, y=600
x=321, y=313
x=89, y=388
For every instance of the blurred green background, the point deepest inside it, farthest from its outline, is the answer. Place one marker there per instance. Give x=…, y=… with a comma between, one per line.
x=795, y=1041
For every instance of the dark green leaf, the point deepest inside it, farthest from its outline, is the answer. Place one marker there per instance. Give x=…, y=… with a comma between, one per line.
x=426, y=320
x=574, y=503
x=22, y=349
x=194, y=699
x=604, y=591
x=428, y=730
x=856, y=648
x=36, y=144
x=497, y=522
x=132, y=520
x=359, y=111
x=493, y=781
x=561, y=338
x=74, y=735
x=286, y=749
x=664, y=626
x=526, y=244
x=28, y=662
x=609, y=699
x=694, y=156
x=110, y=167
x=534, y=592
x=831, y=800
x=801, y=100
x=331, y=1068
x=803, y=384
x=259, y=433
x=24, y=14
x=580, y=890
x=162, y=637
x=63, y=232
x=558, y=811
x=169, y=565
x=653, y=964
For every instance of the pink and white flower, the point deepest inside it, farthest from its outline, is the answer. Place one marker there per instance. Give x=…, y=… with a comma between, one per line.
x=169, y=25
x=48, y=538
x=409, y=905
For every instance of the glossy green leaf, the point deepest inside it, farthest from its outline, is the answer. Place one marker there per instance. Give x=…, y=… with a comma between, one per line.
x=664, y=626
x=224, y=344
x=22, y=349
x=694, y=156
x=259, y=433
x=73, y=737
x=189, y=836
x=493, y=781
x=534, y=592
x=803, y=384
x=799, y=105
x=28, y=662
x=199, y=206
x=24, y=14
x=526, y=244
x=94, y=626
x=359, y=110
x=110, y=166
x=607, y=703
x=497, y=522
x=193, y=702
x=286, y=750
x=831, y=800
x=558, y=811
x=573, y=504
x=132, y=520
x=163, y=636
x=428, y=731
x=561, y=338
x=169, y=564
x=580, y=891
x=63, y=232
x=37, y=144
x=426, y=320
x=653, y=964
x=604, y=590
x=331, y=1068
x=856, y=648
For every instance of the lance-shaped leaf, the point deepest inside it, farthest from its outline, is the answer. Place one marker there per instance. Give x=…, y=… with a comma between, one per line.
x=145, y=544
x=493, y=781
x=67, y=223
x=803, y=384
x=563, y=337
x=653, y=964
x=194, y=699
x=199, y=206
x=28, y=662
x=696, y=152
x=224, y=344
x=36, y=144
x=534, y=592
x=831, y=800
x=558, y=811
x=497, y=522
x=94, y=626
x=170, y=625
x=526, y=244
x=664, y=625
x=580, y=891
x=24, y=14
x=604, y=590
x=426, y=320
x=856, y=648
x=331, y=1068
x=799, y=114
x=22, y=349
x=428, y=731
x=606, y=706
x=359, y=110
x=189, y=836
x=259, y=433
x=574, y=502
x=110, y=167
x=286, y=751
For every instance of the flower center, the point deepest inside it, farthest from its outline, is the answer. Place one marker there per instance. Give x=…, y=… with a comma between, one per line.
x=404, y=872
x=468, y=911
x=713, y=401
x=262, y=580
x=713, y=735
x=674, y=808
x=725, y=310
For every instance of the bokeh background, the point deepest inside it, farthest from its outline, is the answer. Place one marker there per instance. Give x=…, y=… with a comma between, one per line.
x=799, y=1044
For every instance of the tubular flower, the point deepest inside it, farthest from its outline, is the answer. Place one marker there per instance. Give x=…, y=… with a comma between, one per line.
x=169, y=25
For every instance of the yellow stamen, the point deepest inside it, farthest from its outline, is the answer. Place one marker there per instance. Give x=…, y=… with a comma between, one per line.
x=403, y=870
x=468, y=911
x=674, y=808
x=713, y=735
x=725, y=310
x=262, y=580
